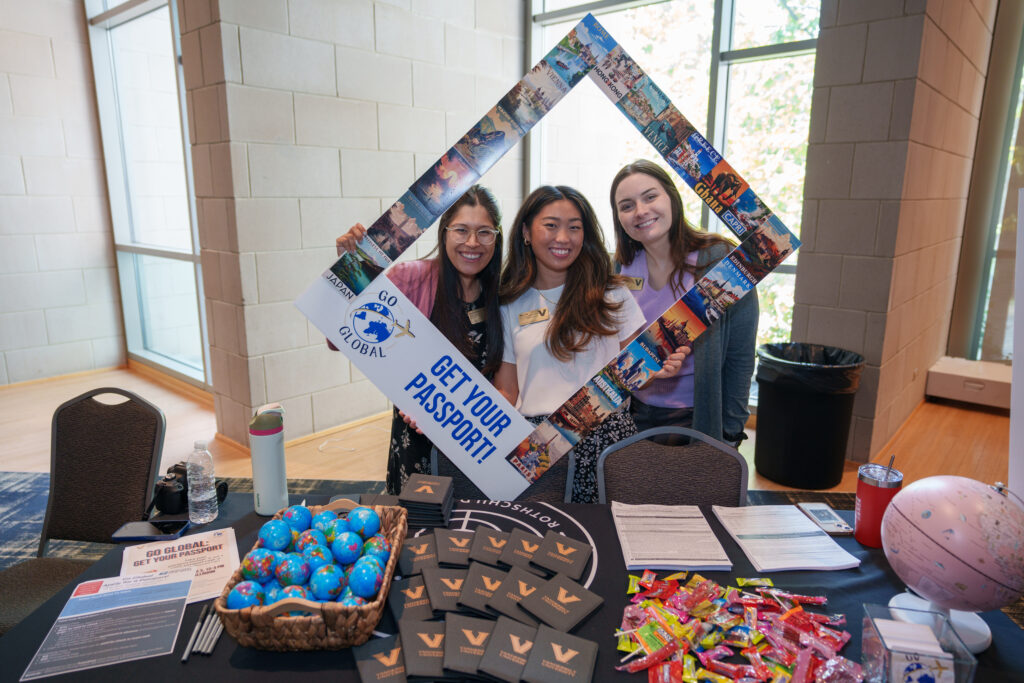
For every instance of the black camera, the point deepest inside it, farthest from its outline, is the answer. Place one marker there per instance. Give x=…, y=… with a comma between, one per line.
x=170, y=495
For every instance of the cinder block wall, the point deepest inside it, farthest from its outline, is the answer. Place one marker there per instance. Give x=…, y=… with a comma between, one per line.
x=307, y=117
x=894, y=120
x=59, y=303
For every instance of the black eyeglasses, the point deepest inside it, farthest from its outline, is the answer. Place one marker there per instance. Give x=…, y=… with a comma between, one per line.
x=484, y=236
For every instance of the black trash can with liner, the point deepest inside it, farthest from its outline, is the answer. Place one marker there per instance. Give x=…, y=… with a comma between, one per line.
x=804, y=408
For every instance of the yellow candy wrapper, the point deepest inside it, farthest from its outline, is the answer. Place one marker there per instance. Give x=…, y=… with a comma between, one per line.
x=634, y=585
x=757, y=581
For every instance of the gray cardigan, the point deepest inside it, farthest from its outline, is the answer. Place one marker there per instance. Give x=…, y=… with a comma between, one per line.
x=723, y=358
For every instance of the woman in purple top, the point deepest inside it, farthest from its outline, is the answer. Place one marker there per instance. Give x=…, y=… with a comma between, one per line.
x=458, y=290
x=664, y=255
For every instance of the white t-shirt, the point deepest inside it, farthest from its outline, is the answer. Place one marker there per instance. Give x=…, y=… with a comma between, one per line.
x=545, y=383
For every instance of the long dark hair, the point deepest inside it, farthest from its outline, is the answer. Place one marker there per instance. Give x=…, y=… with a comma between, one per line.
x=447, y=313
x=684, y=237
x=583, y=311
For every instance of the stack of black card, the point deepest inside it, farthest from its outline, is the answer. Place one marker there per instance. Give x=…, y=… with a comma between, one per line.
x=429, y=500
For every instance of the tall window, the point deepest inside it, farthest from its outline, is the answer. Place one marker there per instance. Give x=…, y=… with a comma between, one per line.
x=993, y=339
x=745, y=67
x=139, y=87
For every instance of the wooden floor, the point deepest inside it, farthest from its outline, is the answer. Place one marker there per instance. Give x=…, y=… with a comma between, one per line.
x=938, y=438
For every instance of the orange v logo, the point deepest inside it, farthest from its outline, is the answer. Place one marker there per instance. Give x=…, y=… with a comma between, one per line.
x=424, y=488
x=521, y=647
x=564, y=550
x=563, y=655
x=413, y=593
x=388, y=659
x=432, y=640
x=565, y=597
x=419, y=549
x=454, y=584
x=476, y=638
x=496, y=542
x=525, y=590
x=491, y=584
x=461, y=542
x=530, y=547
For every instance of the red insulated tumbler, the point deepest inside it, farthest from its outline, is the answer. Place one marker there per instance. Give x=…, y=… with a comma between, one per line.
x=876, y=486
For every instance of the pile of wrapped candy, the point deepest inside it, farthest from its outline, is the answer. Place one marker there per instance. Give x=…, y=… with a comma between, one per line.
x=699, y=631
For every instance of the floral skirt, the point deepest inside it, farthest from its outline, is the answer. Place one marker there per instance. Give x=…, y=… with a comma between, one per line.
x=408, y=453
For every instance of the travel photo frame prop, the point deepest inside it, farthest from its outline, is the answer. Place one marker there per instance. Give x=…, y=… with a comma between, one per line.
x=425, y=376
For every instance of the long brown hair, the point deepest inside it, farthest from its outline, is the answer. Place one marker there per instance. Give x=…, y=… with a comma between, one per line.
x=684, y=237
x=447, y=313
x=583, y=312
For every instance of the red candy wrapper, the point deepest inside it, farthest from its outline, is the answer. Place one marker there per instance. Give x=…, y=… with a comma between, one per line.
x=666, y=672
x=650, y=660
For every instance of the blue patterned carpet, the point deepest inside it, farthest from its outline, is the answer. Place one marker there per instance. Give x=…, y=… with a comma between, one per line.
x=23, y=506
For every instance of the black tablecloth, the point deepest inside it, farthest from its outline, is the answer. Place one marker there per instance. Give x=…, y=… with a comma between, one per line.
x=846, y=590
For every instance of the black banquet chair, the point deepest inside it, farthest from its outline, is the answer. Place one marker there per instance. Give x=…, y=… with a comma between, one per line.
x=704, y=471
x=553, y=487
x=103, y=464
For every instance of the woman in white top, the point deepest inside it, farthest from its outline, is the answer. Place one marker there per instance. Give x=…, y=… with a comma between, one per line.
x=565, y=315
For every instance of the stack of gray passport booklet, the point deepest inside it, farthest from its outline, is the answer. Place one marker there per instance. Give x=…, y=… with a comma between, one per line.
x=485, y=605
x=428, y=499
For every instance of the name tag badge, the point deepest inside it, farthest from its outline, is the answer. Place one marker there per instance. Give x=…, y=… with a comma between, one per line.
x=634, y=284
x=536, y=316
x=477, y=316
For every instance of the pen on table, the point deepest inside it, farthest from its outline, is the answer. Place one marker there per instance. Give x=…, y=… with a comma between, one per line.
x=195, y=634
x=214, y=638
x=204, y=642
x=207, y=627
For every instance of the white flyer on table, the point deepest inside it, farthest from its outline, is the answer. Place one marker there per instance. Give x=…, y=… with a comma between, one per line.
x=782, y=538
x=667, y=537
x=213, y=554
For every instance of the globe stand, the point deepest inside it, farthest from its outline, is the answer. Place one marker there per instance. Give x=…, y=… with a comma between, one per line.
x=971, y=628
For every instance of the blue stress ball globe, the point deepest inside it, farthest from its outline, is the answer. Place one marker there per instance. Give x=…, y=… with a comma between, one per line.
x=295, y=592
x=326, y=582
x=258, y=565
x=293, y=570
x=366, y=579
x=333, y=528
x=377, y=546
x=298, y=517
x=347, y=547
x=246, y=594
x=364, y=521
x=310, y=537
x=322, y=519
x=272, y=589
x=352, y=601
x=275, y=535
x=317, y=556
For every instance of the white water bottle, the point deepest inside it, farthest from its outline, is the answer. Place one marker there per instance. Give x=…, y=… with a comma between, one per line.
x=266, y=444
x=202, y=490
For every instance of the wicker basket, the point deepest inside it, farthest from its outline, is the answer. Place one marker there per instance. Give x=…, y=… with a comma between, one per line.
x=331, y=626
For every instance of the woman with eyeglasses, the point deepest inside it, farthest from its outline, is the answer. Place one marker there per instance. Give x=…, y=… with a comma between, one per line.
x=665, y=254
x=565, y=315
x=458, y=290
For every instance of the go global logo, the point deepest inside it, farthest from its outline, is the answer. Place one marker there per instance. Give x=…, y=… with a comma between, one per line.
x=374, y=323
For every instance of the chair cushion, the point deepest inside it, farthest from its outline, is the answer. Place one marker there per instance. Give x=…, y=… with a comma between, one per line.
x=696, y=474
x=29, y=584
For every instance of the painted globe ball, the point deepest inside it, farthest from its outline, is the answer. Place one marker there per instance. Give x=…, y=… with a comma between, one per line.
x=322, y=519
x=347, y=547
x=318, y=556
x=371, y=559
x=275, y=535
x=296, y=592
x=293, y=570
x=352, y=601
x=334, y=528
x=298, y=517
x=246, y=594
x=310, y=537
x=364, y=521
x=326, y=583
x=377, y=546
x=366, y=579
x=258, y=565
x=272, y=589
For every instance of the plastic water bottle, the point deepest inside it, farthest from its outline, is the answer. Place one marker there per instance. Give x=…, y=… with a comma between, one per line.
x=202, y=491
